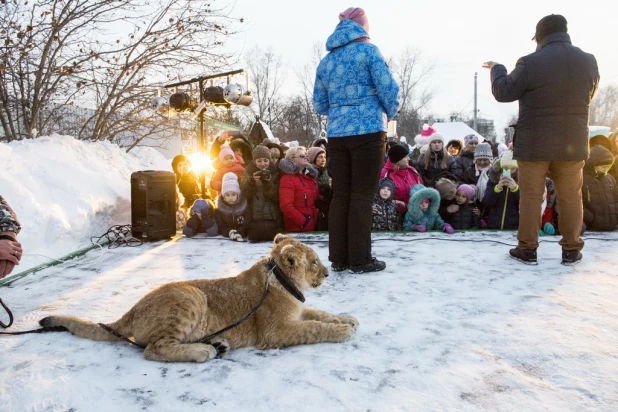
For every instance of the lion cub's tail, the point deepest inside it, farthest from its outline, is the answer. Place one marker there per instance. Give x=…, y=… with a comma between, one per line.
x=90, y=330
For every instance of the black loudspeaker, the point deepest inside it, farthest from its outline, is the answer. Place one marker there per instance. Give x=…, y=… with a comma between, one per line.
x=153, y=204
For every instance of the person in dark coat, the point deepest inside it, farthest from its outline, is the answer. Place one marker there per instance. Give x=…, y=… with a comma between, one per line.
x=186, y=180
x=260, y=186
x=607, y=143
x=202, y=219
x=436, y=160
x=386, y=214
x=600, y=194
x=358, y=102
x=317, y=157
x=298, y=191
x=232, y=215
x=466, y=216
x=554, y=87
x=501, y=198
x=466, y=157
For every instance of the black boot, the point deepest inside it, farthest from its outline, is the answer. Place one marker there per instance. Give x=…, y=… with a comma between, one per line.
x=339, y=267
x=374, y=266
x=527, y=256
x=571, y=257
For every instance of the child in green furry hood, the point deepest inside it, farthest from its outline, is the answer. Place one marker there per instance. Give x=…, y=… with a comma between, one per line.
x=422, y=213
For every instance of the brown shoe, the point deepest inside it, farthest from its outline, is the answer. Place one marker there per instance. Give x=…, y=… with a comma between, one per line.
x=527, y=256
x=571, y=257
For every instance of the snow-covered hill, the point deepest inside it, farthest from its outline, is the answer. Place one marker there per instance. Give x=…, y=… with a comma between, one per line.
x=65, y=190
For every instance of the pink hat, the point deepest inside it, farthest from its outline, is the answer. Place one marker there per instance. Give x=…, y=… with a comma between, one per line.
x=469, y=190
x=226, y=150
x=356, y=14
x=427, y=130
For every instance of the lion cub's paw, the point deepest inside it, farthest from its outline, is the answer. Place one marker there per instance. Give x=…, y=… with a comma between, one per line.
x=344, y=332
x=221, y=345
x=349, y=320
x=204, y=352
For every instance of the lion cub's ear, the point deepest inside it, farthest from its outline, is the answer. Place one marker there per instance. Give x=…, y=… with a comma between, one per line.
x=280, y=238
x=291, y=256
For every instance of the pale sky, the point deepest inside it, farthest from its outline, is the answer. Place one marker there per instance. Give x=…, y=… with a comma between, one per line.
x=457, y=36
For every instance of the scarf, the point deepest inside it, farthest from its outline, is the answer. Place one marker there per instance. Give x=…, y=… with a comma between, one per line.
x=481, y=184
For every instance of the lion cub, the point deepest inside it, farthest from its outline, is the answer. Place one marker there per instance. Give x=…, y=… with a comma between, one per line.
x=172, y=318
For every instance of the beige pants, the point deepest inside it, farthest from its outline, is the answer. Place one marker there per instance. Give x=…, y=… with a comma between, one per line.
x=568, y=180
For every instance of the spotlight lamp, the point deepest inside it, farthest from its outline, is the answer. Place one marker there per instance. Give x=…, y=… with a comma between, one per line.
x=182, y=102
x=235, y=93
x=215, y=96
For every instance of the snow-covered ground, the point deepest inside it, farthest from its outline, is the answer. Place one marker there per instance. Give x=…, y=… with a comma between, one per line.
x=447, y=326
x=65, y=190
x=451, y=324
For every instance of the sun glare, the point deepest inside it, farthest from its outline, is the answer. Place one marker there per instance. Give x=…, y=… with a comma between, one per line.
x=200, y=162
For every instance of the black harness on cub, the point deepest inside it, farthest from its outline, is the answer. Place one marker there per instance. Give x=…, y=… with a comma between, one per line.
x=270, y=265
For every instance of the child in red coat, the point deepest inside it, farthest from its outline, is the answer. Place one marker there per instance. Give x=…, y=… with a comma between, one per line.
x=229, y=164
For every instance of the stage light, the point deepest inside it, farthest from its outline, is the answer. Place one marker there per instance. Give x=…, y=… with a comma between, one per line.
x=214, y=96
x=182, y=102
x=200, y=162
x=235, y=93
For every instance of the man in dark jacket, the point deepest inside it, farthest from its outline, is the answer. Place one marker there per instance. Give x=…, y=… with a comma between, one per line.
x=554, y=87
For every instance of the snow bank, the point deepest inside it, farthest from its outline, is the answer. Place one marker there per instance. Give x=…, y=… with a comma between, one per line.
x=65, y=190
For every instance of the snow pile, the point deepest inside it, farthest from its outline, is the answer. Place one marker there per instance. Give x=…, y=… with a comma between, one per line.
x=65, y=190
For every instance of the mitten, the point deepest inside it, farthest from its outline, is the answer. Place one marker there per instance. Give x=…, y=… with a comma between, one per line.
x=483, y=224
x=234, y=235
x=448, y=229
x=549, y=229
x=541, y=233
x=419, y=228
x=307, y=219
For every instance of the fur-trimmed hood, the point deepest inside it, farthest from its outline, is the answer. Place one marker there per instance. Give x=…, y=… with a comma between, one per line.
x=417, y=194
x=292, y=168
x=238, y=209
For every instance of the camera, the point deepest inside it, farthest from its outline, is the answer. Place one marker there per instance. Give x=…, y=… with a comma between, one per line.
x=264, y=175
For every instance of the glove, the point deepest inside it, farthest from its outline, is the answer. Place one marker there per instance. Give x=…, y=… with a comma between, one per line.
x=307, y=219
x=541, y=233
x=234, y=235
x=448, y=229
x=419, y=228
x=549, y=229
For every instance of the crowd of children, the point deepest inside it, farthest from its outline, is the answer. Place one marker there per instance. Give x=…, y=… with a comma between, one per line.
x=254, y=194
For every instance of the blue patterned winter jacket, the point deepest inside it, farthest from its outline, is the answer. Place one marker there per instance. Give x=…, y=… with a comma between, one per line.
x=353, y=85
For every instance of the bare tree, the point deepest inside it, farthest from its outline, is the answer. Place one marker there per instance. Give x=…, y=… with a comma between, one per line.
x=61, y=53
x=306, y=79
x=267, y=75
x=604, y=107
x=412, y=71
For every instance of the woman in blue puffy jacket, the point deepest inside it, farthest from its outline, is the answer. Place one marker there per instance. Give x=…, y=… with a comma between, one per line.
x=357, y=91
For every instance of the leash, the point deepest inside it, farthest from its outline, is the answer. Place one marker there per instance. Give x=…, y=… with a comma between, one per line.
x=40, y=330
x=272, y=268
x=8, y=311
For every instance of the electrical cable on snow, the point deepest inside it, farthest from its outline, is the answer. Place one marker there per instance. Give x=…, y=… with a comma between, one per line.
x=116, y=236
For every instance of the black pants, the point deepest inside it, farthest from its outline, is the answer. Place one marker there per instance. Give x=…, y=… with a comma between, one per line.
x=355, y=164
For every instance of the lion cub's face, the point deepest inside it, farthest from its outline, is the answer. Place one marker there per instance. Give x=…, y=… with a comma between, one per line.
x=299, y=262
